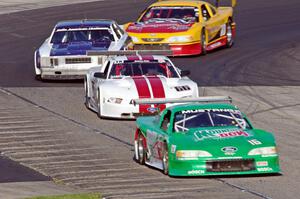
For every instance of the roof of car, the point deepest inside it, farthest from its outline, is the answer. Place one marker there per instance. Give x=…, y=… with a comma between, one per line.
x=179, y=3
x=200, y=106
x=84, y=23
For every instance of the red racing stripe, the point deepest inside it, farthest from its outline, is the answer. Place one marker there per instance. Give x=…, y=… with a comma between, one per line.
x=132, y=58
x=147, y=57
x=143, y=92
x=157, y=90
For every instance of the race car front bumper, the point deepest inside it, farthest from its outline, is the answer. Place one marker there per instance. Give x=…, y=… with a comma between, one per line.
x=211, y=167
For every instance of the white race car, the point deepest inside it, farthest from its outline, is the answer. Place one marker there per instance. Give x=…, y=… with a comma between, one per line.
x=110, y=90
x=63, y=54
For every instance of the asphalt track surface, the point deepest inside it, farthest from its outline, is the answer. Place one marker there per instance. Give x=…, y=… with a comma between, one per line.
x=265, y=54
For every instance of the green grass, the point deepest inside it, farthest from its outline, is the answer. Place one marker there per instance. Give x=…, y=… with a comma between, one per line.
x=72, y=196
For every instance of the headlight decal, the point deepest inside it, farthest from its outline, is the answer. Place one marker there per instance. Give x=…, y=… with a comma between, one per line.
x=191, y=154
x=263, y=151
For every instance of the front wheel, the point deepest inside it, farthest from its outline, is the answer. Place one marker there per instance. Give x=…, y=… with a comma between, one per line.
x=229, y=35
x=139, y=148
x=203, y=43
x=165, y=159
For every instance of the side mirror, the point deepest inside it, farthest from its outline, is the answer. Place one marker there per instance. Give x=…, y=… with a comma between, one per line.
x=185, y=73
x=99, y=75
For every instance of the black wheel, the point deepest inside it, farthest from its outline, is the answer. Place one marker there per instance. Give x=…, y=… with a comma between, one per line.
x=139, y=149
x=203, y=43
x=229, y=36
x=165, y=159
x=86, y=98
x=38, y=77
x=99, y=104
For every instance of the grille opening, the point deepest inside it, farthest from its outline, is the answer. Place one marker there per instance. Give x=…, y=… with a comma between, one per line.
x=230, y=165
x=80, y=60
x=152, y=39
x=151, y=47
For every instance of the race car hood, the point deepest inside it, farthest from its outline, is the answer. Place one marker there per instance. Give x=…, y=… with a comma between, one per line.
x=77, y=48
x=159, y=27
x=223, y=141
x=150, y=87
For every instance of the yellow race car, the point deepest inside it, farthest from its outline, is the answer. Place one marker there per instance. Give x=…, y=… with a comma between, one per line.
x=185, y=27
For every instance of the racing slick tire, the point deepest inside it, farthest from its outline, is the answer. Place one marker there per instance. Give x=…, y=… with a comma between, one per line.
x=86, y=98
x=165, y=159
x=203, y=43
x=229, y=36
x=139, y=149
x=38, y=77
x=99, y=105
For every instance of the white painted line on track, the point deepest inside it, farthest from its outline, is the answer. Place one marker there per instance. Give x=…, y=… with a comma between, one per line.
x=5, y=138
x=97, y=171
x=28, y=132
x=30, y=147
x=17, y=122
x=153, y=187
x=22, y=127
x=129, y=180
x=106, y=176
x=31, y=142
x=36, y=152
x=64, y=162
x=58, y=156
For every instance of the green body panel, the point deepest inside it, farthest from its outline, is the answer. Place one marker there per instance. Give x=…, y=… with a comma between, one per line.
x=213, y=140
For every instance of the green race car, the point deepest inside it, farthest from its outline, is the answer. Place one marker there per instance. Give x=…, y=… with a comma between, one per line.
x=199, y=139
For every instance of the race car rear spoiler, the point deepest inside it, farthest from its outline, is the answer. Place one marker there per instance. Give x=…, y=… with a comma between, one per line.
x=233, y=3
x=204, y=99
x=128, y=52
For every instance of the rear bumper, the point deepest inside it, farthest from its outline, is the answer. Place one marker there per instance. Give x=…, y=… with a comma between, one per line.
x=266, y=165
x=60, y=73
x=177, y=49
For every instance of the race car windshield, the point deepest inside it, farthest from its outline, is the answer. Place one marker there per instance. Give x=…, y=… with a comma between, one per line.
x=66, y=36
x=187, y=14
x=120, y=70
x=185, y=120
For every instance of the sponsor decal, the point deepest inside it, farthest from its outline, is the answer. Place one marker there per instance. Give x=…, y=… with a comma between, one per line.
x=173, y=148
x=211, y=110
x=229, y=150
x=153, y=109
x=195, y=172
x=262, y=163
x=264, y=169
x=219, y=133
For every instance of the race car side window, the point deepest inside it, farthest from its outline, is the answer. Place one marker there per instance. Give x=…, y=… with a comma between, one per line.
x=213, y=10
x=106, y=69
x=205, y=14
x=166, y=121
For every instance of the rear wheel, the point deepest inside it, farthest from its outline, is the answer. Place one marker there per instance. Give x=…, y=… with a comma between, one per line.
x=203, y=43
x=140, y=151
x=165, y=159
x=229, y=36
x=86, y=98
x=99, y=104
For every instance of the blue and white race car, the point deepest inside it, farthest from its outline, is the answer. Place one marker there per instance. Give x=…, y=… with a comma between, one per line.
x=63, y=54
